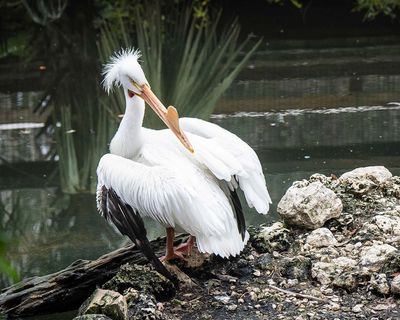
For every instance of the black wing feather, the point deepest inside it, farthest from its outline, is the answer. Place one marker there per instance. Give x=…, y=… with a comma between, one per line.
x=130, y=223
x=241, y=223
x=102, y=202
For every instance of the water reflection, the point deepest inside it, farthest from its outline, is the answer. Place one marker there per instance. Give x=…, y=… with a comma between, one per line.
x=316, y=128
x=48, y=229
x=19, y=142
x=261, y=95
x=297, y=74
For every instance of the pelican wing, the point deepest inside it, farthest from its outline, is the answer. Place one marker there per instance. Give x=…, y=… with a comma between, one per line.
x=237, y=156
x=171, y=196
x=177, y=196
x=129, y=223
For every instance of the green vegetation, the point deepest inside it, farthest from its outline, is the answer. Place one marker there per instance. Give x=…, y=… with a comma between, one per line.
x=373, y=8
x=188, y=61
x=6, y=219
x=370, y=8
x=5, y=266
x=297, y=3
x=196, y=60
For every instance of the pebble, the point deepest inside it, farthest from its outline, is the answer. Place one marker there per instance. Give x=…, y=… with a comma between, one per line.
x=326, y=290
x=264, y=261
x=381, y=307
x=271, y=282
x=253, y=296
x=223, y=298
x=357, y=308
x=257, y=273
x=232, y=307
x=240, y=300
x=334, y=306
x=256, y=290
x=325, y=259
x=292, y=283
x=349, y=247
x=276, y=254
x=395, y=285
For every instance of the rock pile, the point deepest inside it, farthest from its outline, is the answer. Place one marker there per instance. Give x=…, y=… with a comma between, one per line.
x=335, y=255
x=355, y=249
x=309, y=205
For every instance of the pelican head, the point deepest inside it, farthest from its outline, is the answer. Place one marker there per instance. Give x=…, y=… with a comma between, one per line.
x=124, y=70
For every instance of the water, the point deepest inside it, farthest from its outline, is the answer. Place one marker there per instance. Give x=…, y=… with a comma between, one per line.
x=329, y=122
x=294, y=144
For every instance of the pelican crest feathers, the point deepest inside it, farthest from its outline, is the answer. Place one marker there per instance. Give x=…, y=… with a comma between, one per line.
x=122, y=63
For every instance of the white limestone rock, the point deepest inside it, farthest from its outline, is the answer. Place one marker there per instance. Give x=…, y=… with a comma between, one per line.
x=374, y=256
x=379, y=283
x=362, y=180
x=340, y=272
x=344, y=263
x=388, y=225
x=377, y=174
x=357, y=308
x=395, y=285
x=92, y=317
x=273, y=238
x=309, y=205
x=106, y=302
x=321, y=237
x=323, y=272
x=270, y=232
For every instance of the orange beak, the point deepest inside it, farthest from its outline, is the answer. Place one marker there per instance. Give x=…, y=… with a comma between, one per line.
x=169, y=116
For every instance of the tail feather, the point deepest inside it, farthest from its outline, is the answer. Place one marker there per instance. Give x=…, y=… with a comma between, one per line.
x=256, y=195
x=241, y=222
x=227, y=245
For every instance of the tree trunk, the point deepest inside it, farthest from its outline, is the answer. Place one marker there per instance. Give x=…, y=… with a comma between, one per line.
x=67, y=289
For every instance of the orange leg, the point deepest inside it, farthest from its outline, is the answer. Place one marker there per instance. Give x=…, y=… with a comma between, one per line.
x=186, y=248
x=171, y=253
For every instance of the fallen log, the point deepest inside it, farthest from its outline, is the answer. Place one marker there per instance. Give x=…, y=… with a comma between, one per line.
x=66, y=289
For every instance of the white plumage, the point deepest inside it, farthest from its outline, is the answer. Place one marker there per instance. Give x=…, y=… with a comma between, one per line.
x=159, y=178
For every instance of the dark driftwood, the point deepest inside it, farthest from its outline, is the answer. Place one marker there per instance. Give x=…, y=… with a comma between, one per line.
x=67, y=289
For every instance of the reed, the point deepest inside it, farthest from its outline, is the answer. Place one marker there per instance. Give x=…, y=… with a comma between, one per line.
x=189, y=61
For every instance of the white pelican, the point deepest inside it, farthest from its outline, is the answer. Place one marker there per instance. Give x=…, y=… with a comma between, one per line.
x=188, y=186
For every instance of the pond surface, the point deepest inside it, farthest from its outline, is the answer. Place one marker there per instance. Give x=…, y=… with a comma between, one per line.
x=47, y=230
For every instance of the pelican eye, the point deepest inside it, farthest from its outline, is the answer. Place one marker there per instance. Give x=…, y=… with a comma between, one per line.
x=135, y=85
